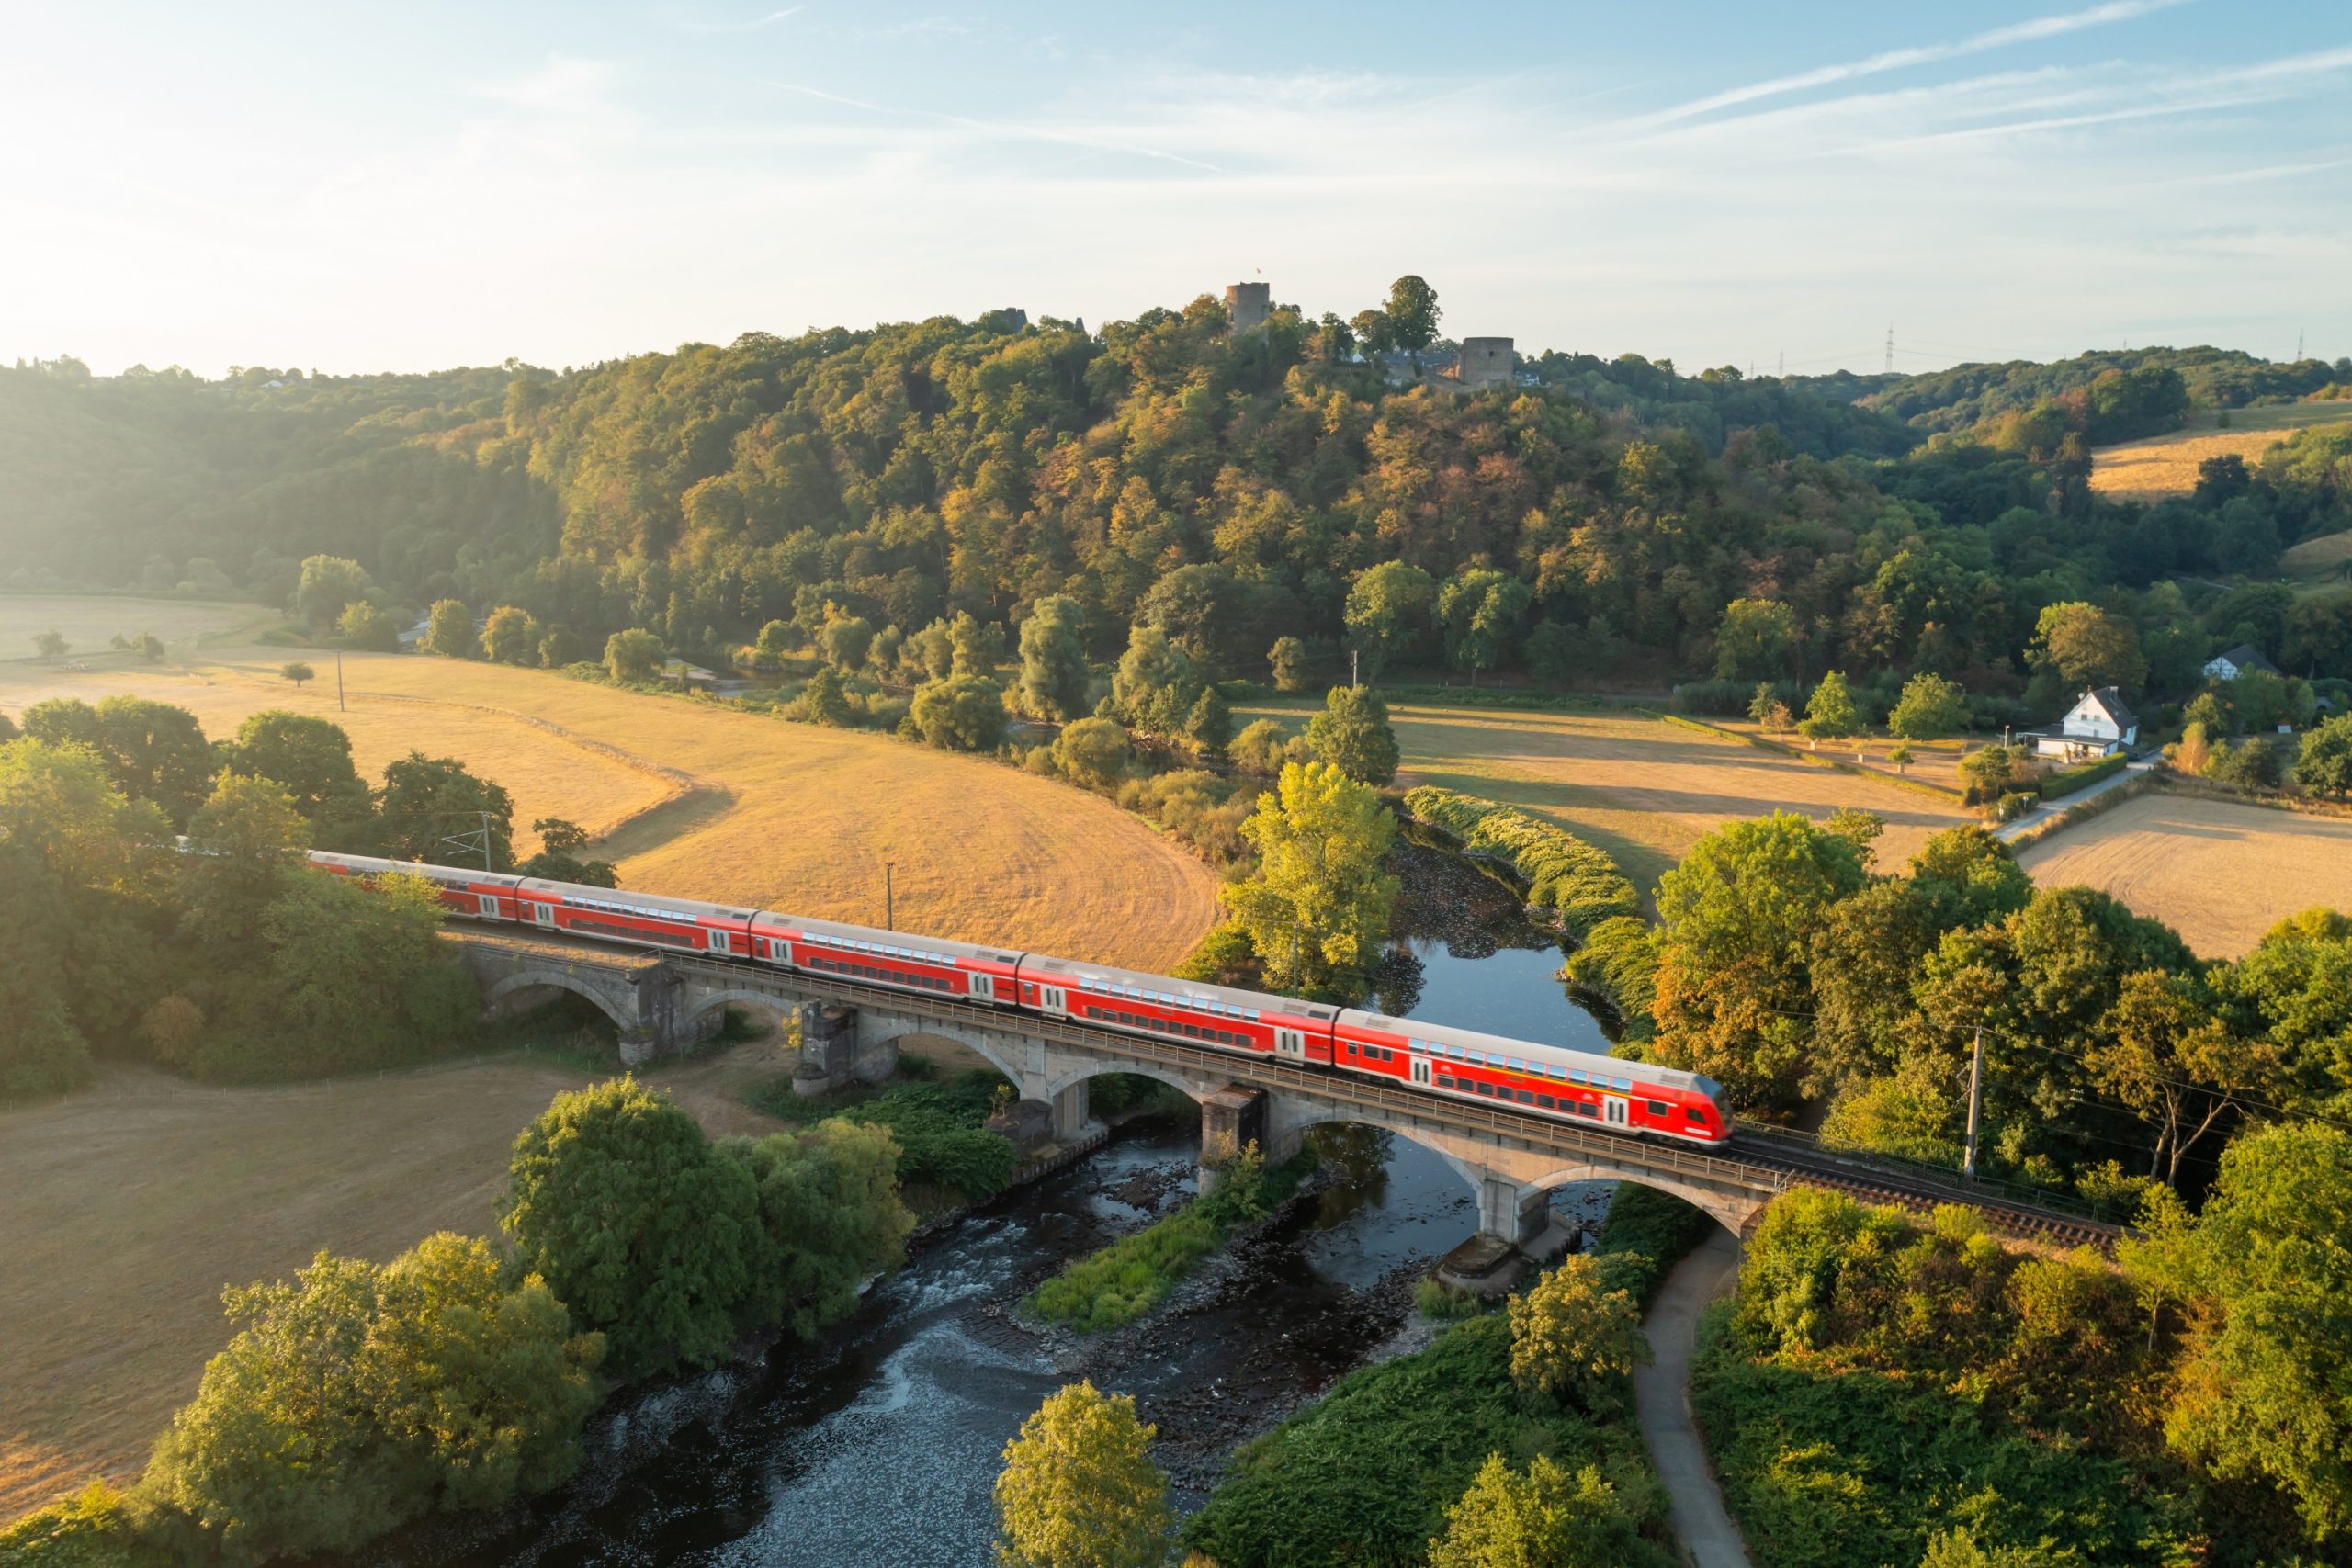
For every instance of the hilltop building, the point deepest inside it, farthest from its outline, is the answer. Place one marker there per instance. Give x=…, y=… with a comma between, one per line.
x=1247, y=305
x=2244, y=660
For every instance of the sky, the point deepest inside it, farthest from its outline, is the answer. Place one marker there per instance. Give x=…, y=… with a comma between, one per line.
x=414, y=187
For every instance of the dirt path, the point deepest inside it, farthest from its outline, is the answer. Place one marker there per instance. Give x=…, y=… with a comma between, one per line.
x=1662, y=1402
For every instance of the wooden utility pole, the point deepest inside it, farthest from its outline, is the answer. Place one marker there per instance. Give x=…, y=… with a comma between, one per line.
x=338, y=681
x=1976, y=1100
x=889, y=896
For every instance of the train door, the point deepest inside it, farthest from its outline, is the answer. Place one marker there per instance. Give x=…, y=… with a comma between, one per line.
x=1613, y=1109
x=1291, y=1043
x=1057, y=999
x=716, y=940
x=486, y=906
x=543, y=914
x=983, y=988
x=1422, y=1071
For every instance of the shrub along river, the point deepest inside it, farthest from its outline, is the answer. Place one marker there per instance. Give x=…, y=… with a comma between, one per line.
x=879, y=1442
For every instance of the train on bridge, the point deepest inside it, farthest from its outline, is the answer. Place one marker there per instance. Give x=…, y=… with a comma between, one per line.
x=1630, y=1098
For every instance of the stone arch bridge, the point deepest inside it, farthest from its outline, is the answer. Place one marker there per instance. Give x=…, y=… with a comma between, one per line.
x=665, y=1002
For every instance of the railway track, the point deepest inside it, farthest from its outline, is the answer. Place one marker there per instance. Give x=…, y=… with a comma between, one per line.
x=1844, y=1173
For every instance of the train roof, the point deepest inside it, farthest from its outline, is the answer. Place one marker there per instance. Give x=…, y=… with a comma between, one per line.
x=1506, y=1045
x=628, y=901
x=1162, y=987
x=900, y=943
x=377, y=865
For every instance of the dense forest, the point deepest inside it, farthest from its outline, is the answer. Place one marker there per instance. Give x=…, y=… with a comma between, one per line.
x=1598, y=521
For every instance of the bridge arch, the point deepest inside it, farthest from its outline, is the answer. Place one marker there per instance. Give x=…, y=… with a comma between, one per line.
x=1734, y=1213
x=972, y=1040
x=1196, y=1088
x=511, y=987
x=1296, y=1117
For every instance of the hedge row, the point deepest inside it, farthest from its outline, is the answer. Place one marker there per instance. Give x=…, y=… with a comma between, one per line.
x=2068, y=780
x=1618, y=963
x=1563, y=872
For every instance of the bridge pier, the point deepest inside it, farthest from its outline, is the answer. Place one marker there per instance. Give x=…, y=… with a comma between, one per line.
x=1071, y=1116
x=1510, y=1214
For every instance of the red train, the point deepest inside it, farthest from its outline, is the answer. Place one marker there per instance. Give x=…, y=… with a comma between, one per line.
x=1542, y=1080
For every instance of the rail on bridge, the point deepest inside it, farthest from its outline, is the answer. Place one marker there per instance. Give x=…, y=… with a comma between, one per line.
x=666, y=1002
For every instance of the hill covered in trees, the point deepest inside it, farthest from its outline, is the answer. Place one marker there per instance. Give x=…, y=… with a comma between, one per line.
x=1233, y=490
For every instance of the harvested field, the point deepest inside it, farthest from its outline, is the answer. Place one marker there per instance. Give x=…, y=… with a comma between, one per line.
x=1640, y=788
x=2218, y=872
x=697, y=800
x=132, y=1204
x=2167, y=465
x=2330, y=554
x=88, y=622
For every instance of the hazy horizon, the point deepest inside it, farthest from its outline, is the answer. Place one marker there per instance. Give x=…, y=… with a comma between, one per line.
x=567, y=185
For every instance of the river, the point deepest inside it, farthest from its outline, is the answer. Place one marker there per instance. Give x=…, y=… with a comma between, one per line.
x=878, y=1444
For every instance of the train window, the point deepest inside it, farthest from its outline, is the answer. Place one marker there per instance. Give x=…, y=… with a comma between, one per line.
x=1658, y=1107
x=1693, y=1115
x=1576, y=1075
x=1444, y=1081
x=1488, y=1089
x=1627, y=1084
x=1527, y=1097
x=1547, y=1102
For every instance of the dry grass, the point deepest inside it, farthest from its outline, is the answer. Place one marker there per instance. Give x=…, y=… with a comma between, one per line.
x=2167, y=465
x=89, y=621
x=132, y=1205
x=2218, y=872
x=2327, y=555
x=1639, y=788
x=701, y=801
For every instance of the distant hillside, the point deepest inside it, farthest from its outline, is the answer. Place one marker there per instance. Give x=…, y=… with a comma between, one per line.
x=1970, y=395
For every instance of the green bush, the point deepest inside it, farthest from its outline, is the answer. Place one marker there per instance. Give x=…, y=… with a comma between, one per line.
x=2066, y=780
x=1563, y=872
x=1128, y=1278
x=1617, y=962
x=1647, y=1233
x=93, y=1528
x=1363, y=1478
x=1433, y=1298
x=938, y=1126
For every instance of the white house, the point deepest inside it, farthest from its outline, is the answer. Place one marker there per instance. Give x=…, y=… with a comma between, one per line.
x=2098, y=726
x=2244, y=660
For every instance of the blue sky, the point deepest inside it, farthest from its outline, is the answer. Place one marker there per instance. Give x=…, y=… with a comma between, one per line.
x=402, y=187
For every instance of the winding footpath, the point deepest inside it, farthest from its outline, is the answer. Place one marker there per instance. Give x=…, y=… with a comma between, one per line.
x=1662, y=1403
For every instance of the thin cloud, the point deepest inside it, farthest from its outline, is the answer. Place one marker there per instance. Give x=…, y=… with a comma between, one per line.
x=752, y=25
x=1005, y=129
x=1903, y=58
x=565, y=84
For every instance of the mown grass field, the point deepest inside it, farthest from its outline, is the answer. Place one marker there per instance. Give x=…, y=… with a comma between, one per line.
x=89, y=622
x=2167, y=465
x=132, y=1204
x=700, y=801
x=1641, y=789
x=2318, y=559
x=2218, y=872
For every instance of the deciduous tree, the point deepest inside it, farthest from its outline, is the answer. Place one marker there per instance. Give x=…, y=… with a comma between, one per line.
x=1930, y=709
x=1755, y=641
x=1053, y=658
x=510, y=636
x=634, y=656
x=1572, y=1335
x=1352, y=733
x=1547, y=1517
x=2087, y=647
x=1079, y=1489
x=962, y=713
x=1829, y=713
x=1387, y=609
x=1316, y=909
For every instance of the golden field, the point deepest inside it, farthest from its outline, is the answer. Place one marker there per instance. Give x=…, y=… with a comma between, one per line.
x=89, y=622
x=2167, y=465
x=700, y=801
x=131, y=1206
x=1635, y=787
x=2218, y=872
x=2325, y=556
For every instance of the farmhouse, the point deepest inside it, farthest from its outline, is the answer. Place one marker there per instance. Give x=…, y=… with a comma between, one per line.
x=2244, y=660
x=2098, y=726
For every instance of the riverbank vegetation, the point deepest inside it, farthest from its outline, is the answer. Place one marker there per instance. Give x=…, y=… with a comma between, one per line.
x=1369, y=1475
x=1579, y=885
x=1127, y=1280
x=458, y=1376
x=1887, y=1388
x=947, y=1156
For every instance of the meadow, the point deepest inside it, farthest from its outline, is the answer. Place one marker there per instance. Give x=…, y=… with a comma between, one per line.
x=698, y=800
x=2218, y=872
x=90, y=622
x=2167, y=465
x=133, y=1203
x=2318, y=559
x=1640, y=788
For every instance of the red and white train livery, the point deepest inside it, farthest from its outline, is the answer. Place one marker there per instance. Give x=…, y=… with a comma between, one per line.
x=1633, y=1097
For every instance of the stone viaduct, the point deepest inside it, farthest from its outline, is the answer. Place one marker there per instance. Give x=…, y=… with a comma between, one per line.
x=662, y=1003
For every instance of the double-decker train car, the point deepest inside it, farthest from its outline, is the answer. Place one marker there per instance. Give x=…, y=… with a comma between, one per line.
x=478, y=894
x=984, y=974
x=1630, y=1098
x=1176, y=1009
x=1550, y=1080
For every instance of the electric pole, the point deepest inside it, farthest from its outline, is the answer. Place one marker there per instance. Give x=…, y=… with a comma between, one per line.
x=1352, y=681
x=1890, y=348
x=889, y=896
x=338, y=681
x=1976, y=1100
